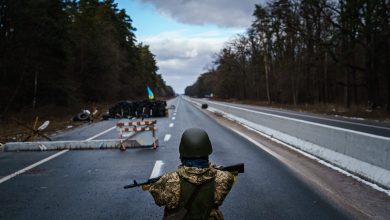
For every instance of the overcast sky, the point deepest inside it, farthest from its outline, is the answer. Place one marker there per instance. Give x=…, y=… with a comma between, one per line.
x=185, y=34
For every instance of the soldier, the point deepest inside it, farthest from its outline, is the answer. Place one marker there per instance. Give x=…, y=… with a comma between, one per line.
x=196, y=186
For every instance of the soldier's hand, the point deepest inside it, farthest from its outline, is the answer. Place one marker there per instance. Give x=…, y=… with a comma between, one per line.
x=235, y=173
x=215, y=166
x=146, y=187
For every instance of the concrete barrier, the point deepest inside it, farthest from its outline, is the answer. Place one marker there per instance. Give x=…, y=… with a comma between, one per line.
x=363, y=154
x=72, y=145
x=131, y=137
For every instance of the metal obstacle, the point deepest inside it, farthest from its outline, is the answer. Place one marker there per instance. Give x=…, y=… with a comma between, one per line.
x=140, y=133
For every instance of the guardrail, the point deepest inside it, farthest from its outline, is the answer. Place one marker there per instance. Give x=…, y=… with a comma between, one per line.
x=363, y=154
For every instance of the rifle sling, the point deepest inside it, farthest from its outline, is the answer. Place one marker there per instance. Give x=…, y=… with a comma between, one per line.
x=180, y=214
x=192, y=197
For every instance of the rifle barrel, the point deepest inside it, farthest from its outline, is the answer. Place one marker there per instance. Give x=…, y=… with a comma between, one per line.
x=233, y=168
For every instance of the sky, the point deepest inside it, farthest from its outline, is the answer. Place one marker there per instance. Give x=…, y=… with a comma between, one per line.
x=185, y=35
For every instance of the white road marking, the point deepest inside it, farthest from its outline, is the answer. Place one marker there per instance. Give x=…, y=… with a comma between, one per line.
x=101, y=133
x=307, y=122
x=174, y=113
x=156, y=169
x=178, y=103
x=2, y=180
x=373, y=185
x=173, y=118
x=167, y=137
x=327, y=119
x=171, y=125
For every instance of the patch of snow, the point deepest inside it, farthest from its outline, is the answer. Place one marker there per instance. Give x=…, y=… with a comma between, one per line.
x=351, y=162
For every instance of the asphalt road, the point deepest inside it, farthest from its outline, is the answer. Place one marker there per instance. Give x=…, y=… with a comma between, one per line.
x=355, y=124
x=88, y=184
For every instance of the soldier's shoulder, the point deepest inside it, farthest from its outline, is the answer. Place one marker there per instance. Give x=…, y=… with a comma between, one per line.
x=224, y=181
x=170, y=177
x=224, y=176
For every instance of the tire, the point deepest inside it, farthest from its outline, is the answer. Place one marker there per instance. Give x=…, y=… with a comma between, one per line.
x=83, y=117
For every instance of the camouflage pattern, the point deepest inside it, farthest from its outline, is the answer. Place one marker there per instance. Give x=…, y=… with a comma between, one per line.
x=224, y=182
x=166, y=191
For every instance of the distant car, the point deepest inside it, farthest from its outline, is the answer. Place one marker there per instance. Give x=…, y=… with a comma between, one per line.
x=204, y=106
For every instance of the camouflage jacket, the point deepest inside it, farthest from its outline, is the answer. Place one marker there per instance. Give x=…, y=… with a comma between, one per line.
x=166, y=191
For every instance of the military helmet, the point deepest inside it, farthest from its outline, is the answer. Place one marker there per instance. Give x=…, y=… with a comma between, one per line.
x=195, y=143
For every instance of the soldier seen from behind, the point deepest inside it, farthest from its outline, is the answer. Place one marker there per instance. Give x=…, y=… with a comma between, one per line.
x=197, y=188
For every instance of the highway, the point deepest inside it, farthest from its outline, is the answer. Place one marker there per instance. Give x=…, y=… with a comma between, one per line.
x=354, y=124
x=87, y=184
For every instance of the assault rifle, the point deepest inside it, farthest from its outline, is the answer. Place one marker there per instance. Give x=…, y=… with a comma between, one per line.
x=237, y=168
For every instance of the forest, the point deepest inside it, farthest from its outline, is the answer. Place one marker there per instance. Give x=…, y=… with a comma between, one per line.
x=62, y=52
x=307, y=52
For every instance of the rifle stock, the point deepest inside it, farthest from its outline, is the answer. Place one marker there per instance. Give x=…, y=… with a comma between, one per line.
x=239, y=168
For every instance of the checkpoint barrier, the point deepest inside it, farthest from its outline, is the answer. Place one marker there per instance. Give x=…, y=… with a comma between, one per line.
x=133, y=134
x=144, y=132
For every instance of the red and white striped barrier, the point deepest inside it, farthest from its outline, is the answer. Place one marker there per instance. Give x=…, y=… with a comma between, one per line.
x=135, y=123
x=136, y=129
x=129, y=130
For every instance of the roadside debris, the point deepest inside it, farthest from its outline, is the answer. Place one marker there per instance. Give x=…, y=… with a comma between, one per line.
x=204, y=106
x=35, y=132
x=86, y=115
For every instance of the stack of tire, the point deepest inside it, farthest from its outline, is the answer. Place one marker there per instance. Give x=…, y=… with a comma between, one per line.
x=138, y=109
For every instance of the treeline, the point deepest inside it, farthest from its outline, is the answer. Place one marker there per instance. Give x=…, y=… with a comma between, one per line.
x=307, y=51
x=62, y=52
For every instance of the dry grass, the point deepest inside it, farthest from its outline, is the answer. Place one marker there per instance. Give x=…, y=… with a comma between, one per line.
x=61, y=118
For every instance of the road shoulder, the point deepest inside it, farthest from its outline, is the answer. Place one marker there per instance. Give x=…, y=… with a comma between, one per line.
x=359, y=199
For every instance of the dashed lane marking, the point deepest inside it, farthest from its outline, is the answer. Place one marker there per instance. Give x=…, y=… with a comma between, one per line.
x=156, y=169
x=173, y=118
x=167, y=137
x=171, y=125
x=178, y=104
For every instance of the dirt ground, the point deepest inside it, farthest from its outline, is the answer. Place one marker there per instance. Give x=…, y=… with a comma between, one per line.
x=13, y=127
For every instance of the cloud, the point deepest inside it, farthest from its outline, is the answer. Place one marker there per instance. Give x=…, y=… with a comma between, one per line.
x=182, y=58
x=223, y=13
